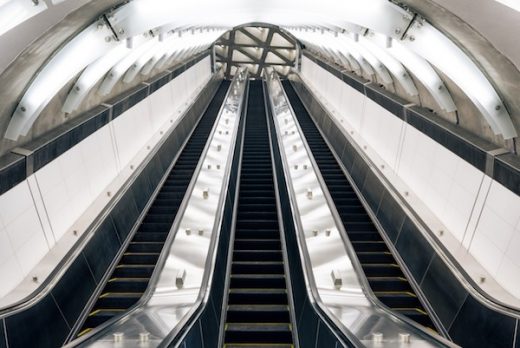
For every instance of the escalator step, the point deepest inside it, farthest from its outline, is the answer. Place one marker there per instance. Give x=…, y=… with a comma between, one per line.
x=133, y=271
x=369, y=246
x=389, y=284
x=262, y=244
x=398, y=299
x=375, y=257
x=148, y=247
x=248, y=313
x=248, y=233
x=127, y=285
x=115, y=300
x=257, y=255
x=257, y=296
x=140, y=258
x=382, y=270
x=255, y=332
x=258, y=267
x=150, y=237
x=257, y=281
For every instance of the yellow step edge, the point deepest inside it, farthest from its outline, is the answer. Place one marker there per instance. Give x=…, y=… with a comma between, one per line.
x=395, y=292
x=84, y=332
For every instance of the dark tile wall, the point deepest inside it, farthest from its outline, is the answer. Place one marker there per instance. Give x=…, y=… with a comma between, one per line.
x=58, y=141
x=387, y=100
x=468, y=321
x=3, y=339
x=12, y=171
x=507, y=172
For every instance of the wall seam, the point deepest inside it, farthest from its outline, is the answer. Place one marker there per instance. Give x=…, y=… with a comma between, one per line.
x=471, y=215
x=479, y=217
x=40, y=217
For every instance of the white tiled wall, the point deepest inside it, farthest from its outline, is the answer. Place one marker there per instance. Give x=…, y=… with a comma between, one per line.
x=481, y=214
x=59, y=194
x=496, y=239
x=22, y=241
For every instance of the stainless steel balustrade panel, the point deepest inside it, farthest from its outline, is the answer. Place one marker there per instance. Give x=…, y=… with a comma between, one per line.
x=189, y=252
x=333, y=274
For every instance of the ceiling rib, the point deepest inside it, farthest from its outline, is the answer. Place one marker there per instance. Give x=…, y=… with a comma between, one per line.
x=254, y=47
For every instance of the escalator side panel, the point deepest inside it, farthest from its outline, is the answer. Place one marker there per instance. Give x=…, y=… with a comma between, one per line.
x=387, y=280
x=130, y=277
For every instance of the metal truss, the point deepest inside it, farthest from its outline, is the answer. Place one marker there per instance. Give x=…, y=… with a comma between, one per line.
x=256, y=47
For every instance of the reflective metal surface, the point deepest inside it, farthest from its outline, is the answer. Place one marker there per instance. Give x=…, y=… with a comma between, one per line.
x=184, y=271
x=333, y=273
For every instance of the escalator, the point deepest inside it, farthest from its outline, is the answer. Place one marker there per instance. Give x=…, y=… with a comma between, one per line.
x=384, y=275
x=130, y=278
x=258, y=311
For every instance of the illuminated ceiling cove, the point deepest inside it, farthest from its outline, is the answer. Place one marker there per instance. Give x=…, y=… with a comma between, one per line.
x=377, y=37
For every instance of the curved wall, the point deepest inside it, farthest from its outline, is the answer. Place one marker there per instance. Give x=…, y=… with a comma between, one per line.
x=477, y=214
x=38, y=216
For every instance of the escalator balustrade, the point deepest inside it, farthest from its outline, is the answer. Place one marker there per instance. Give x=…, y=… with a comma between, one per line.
x=130, y=278
x=384, y=274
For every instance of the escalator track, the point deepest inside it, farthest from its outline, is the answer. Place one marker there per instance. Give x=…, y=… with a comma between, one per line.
x=384, y=274
x=130, y=278
x=258, y=310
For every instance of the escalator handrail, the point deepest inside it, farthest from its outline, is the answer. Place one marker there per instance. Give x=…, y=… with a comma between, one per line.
x=98, y=331
x=64, y=264
x=421, y=331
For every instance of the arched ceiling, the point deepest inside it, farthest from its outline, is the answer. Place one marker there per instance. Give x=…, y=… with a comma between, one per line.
x=369, y=36
x=256, y=46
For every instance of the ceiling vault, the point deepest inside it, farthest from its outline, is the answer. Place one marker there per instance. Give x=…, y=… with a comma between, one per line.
x=256, y=47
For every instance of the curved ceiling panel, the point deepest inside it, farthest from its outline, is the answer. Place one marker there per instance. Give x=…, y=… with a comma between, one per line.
x=408, y=39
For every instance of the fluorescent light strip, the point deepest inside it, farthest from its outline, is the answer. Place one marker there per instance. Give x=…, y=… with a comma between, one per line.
x=392, y=64
x=91, y=75
x=441, y=52
x=116, y=73
x=420, y=68
x=82, y=50
x=15, y=12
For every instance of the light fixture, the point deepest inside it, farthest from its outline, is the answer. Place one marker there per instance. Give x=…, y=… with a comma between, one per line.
x=92, y=43
x=374, y=61
x=392, y=64
x=115, y=74
x=91, y=75
x=441, y=52
x=420, y=68
x=15, y=12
